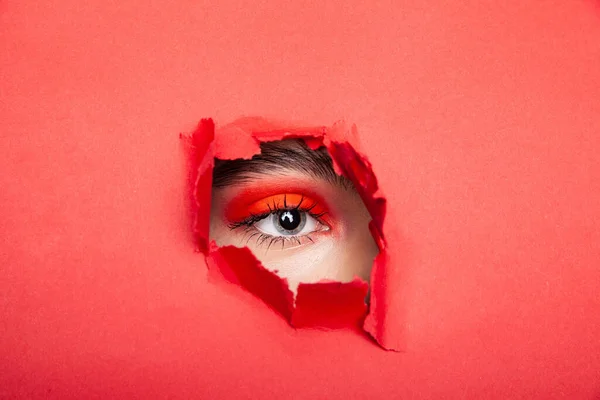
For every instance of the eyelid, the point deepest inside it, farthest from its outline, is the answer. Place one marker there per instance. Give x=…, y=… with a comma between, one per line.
x=240, y=210
x=286, y=201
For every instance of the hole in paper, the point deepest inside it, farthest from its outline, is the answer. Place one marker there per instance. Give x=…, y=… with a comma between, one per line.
x=294, y=218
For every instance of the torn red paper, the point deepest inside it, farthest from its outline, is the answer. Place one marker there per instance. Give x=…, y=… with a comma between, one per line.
x=200, y=145
x=317, y=305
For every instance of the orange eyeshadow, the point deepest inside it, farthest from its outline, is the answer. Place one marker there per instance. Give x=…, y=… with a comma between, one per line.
x=239, y=209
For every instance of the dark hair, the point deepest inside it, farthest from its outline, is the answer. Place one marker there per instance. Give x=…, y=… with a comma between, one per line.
x=289, y=154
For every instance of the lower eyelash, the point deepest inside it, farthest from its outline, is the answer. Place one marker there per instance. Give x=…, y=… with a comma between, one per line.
x=262, y=238
x=282, y=239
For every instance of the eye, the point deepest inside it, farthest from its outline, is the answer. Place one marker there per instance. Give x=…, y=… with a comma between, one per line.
x=289, y=218
x=288, y=222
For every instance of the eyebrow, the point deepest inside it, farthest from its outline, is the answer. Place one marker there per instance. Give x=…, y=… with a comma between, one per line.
x=279, y=156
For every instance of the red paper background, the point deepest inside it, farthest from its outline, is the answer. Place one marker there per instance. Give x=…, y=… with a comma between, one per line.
x=481, y=120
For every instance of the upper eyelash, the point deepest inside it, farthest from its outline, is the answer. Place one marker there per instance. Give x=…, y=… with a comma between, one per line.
x=254, y=218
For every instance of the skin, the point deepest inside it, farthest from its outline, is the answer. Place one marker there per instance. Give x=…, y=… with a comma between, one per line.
x=340, y=250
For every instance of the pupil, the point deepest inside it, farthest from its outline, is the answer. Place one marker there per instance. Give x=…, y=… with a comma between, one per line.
x=289, y=219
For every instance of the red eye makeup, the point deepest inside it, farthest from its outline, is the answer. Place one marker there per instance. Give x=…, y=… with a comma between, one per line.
x=279, y=218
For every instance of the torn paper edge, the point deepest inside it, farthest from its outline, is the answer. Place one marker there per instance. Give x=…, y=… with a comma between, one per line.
x=345, y=301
